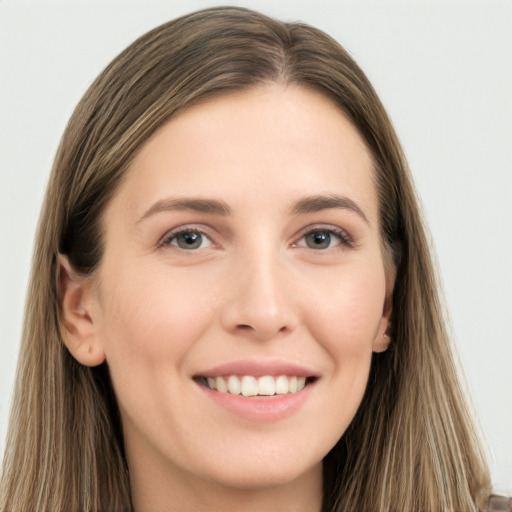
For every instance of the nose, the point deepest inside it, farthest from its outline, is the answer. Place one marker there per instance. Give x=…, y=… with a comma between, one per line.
x=261, y=305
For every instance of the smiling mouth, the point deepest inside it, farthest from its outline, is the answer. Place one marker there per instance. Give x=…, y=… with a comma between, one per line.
x=250, y=386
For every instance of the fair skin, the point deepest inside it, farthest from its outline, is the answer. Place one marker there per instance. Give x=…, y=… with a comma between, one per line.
x=244, y=241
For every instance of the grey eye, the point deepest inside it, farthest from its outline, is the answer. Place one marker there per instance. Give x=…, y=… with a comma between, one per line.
x=321, y=239
x=190, y=240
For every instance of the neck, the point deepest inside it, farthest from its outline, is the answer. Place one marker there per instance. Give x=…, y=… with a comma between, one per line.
x=166, y=492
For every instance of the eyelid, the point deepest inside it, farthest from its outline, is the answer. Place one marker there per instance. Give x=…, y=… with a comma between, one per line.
x=165, y=241
x=346, y=240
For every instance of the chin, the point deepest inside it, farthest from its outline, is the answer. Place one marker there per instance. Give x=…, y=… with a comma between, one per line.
x=263, y=474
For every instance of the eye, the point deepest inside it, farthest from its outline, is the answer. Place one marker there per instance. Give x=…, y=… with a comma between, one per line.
x=320, y=240
x=187, y=239
x=323, y=238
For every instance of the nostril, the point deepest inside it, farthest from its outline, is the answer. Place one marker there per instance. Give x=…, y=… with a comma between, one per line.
x=261, y=332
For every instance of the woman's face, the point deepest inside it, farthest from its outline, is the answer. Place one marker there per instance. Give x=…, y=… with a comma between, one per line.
x=242, y=255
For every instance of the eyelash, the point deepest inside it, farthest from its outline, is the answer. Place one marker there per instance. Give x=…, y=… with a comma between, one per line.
x=172, y=235
x=344, y=238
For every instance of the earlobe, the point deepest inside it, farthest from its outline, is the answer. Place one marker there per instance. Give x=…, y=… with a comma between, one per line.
x=381, y=343
x=383, y=339
x=77, y=326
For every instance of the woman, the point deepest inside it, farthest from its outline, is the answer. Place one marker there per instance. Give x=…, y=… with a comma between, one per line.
x=235, y=289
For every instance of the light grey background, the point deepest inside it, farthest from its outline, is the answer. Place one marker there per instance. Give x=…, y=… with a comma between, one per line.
x=442, y=69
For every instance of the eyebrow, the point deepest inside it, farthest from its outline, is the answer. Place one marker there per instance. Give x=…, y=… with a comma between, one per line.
x=212, y=206
x=318, y=203
x=310, y=204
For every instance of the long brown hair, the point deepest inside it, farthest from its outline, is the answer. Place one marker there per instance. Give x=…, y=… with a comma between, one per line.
x=411, y=446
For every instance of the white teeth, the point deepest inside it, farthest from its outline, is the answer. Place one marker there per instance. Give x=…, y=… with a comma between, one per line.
x=220, y=384
x=234, y=385
x=266, y=386
x=251, y=386
x=281, y=385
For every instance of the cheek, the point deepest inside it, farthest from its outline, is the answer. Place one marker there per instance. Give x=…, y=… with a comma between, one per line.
x=150, y=322
x=153, y=316
x=346, y=313
x=345, y=321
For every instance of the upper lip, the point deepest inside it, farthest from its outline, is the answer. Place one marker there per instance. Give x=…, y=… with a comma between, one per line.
x=258, y=368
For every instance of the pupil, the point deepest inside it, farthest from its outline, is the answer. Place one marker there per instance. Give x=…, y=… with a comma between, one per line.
x=318, y=240
x=189, y=240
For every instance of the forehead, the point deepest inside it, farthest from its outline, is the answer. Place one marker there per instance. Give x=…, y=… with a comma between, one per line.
x=244, y=145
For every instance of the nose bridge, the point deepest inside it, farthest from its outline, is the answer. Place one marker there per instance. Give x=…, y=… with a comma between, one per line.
x=262, y=301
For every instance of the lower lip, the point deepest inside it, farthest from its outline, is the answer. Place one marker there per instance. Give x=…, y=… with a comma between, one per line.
x=261, y=409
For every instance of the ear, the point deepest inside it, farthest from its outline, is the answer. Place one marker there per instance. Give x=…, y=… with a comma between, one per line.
x=77, y=327
x=383, y=338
